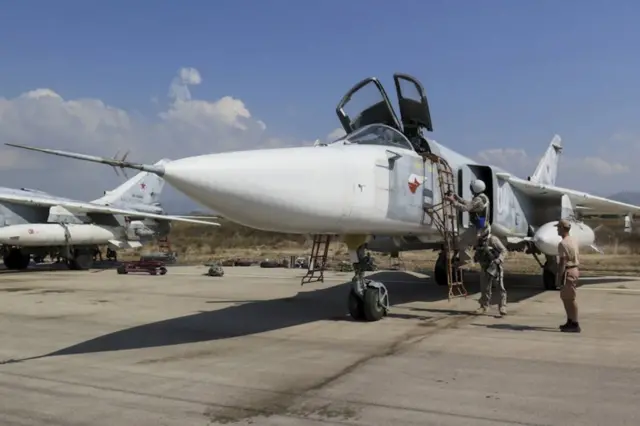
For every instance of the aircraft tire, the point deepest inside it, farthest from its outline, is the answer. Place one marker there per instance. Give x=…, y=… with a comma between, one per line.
x=355, y=306
x=440, y=271
x=16, y=260
x=548, y=280
x=269, y=264
x=8, y=261
x=81, y=262
x=372, y=309
x=25, y=259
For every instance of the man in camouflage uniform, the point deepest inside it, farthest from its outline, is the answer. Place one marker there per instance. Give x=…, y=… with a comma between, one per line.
x=490, y=254
x=478, y=208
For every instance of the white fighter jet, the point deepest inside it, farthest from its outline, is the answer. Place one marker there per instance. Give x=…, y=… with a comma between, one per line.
x=383, y=178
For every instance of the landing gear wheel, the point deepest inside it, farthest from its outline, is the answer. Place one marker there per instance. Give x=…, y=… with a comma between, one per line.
x=373, y=305
x=25, y=259
x=163, y=270
x=440, y=270
x=549, y=273
x=368, y=299
x=356, y=306
x=549, y=280
x=81, y=262
x=8, y=261
x=121, y=270
x=15, y=259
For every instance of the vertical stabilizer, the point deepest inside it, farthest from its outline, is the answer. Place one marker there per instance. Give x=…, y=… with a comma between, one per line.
x=547, y=169
x=142, y=189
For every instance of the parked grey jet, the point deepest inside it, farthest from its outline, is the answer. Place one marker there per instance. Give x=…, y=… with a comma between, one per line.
x=35, y=223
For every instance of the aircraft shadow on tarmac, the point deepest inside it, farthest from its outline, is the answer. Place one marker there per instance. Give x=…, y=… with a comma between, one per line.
x=252, y=317
x=517, y=327
x=38, y=267
x=98, y=266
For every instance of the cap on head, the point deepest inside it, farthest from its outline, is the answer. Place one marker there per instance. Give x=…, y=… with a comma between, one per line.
x=564, y=223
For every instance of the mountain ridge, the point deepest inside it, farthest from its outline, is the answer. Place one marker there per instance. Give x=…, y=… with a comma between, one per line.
x=629, y=197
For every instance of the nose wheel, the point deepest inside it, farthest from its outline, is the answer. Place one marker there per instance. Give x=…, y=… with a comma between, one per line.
x=372, y=305
x=368, y=300
x=355, y=305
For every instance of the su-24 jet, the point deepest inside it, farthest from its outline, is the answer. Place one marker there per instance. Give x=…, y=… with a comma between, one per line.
x=384, y=177
x=35, y=223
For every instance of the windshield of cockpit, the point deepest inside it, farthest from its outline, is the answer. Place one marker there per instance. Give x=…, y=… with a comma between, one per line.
x=377, y=134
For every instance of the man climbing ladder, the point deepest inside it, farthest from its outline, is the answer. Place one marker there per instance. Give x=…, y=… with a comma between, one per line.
x=478, y=208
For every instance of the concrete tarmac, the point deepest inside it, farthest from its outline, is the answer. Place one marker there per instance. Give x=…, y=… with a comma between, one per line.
x=254, y=347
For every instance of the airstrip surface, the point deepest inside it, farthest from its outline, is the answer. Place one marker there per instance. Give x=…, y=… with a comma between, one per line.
x=254, y=347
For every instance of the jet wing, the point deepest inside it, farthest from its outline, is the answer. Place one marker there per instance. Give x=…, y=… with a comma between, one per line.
x=83, y=207
x=587, y=203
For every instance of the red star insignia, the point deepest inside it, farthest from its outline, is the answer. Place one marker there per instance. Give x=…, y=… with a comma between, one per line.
x=143, y=185
x=413, y=186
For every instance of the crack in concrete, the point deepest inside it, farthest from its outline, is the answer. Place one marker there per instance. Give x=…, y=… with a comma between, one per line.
x=281, y=402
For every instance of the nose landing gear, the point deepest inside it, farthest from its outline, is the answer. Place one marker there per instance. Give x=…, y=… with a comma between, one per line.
x=368, y=299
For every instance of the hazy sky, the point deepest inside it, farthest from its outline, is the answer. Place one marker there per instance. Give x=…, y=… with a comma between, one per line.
x=171, y=79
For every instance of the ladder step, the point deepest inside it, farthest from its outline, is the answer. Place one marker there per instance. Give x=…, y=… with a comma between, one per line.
x=317, y=259
x=445, y=218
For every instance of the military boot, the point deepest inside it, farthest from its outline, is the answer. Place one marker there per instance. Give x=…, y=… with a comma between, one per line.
x=572, y=327
x=481, y=310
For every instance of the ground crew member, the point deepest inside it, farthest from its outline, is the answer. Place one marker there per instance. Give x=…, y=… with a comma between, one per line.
x=478, y=208
x=490, y=254
x=567, y=276
x=111, y=254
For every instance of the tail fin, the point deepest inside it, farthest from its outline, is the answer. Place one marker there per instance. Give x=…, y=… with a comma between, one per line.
x=547, y=169
x=142, y=189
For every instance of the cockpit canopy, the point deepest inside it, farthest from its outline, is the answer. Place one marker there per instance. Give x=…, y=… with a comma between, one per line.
x=367, y=104
x=376, y=134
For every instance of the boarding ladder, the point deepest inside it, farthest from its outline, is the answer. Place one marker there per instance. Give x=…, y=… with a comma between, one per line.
x=318, y=259
x=445, y=217
x=396, y=263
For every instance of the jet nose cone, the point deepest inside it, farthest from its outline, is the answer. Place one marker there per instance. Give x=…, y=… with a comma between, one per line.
x=273, y=189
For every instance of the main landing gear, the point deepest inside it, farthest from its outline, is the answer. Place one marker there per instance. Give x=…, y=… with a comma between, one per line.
x=549, y=273
x=368, y=300
x=16, y=260
x=80, y=260
x=440, y=269
x=549, y=268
